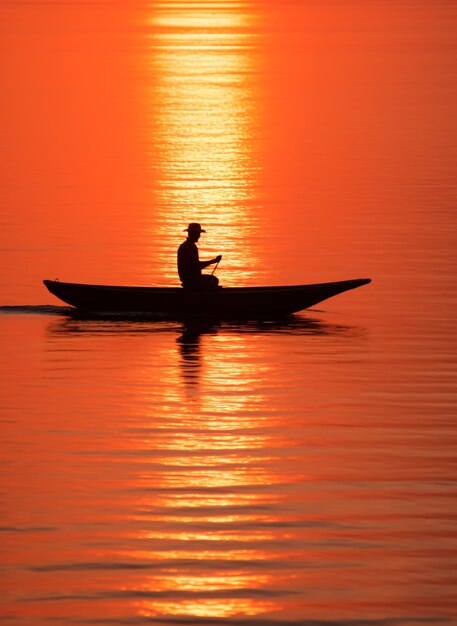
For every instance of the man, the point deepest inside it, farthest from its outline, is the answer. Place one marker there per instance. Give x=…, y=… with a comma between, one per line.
x=189, y=265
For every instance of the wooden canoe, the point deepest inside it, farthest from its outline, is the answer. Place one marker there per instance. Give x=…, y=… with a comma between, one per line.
x=226, y=302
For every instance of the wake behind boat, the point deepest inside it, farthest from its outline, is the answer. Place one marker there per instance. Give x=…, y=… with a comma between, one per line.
x=227, y=302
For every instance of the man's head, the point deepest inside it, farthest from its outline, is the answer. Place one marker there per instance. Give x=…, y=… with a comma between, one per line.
x=194, y=231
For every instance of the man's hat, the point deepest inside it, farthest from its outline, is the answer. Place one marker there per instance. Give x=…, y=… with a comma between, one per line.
x=195, y=228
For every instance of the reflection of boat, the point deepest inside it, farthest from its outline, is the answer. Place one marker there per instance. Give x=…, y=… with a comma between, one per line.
x=227, y=302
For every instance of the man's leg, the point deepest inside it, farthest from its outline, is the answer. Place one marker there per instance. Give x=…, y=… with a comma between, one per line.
x=209, y=281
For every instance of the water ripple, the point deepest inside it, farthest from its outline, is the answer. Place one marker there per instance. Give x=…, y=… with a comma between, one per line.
x=204, y=621
x=44, y=309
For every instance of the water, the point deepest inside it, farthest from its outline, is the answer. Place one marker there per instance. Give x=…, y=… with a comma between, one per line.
x=297, y=472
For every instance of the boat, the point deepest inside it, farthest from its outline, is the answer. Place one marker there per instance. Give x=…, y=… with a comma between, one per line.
x=177, y=302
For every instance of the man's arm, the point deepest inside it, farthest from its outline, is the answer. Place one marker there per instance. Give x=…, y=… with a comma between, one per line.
x=206, y=263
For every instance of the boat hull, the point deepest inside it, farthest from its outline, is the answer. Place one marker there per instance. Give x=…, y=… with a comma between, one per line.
x=227, y=302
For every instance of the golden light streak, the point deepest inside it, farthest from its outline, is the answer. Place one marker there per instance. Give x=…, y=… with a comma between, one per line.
x=224, y=607
x=205, y=114
x=204, y=118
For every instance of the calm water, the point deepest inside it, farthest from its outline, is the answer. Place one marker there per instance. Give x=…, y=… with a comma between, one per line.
x=301, y=472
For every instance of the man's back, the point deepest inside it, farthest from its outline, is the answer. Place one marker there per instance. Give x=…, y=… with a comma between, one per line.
x=188, y=262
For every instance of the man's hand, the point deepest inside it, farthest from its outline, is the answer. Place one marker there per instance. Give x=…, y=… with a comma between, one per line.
x=218, y=258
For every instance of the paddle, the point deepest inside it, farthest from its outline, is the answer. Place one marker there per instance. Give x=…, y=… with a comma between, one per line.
x=215, y=267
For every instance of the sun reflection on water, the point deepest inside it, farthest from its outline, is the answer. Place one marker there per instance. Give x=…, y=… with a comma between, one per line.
x=204, y=112
x=209, y=496
x=212, y=468
x=208, y=608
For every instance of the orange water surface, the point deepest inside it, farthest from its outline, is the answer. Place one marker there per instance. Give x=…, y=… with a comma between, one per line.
x=297, y=472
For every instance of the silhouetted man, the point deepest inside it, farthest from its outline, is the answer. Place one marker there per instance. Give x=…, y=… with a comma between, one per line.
x=189, y=265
